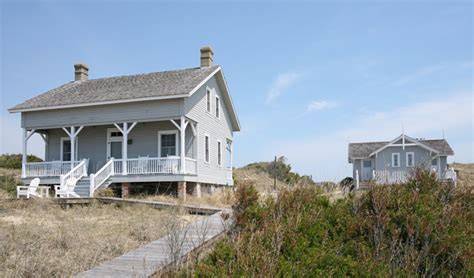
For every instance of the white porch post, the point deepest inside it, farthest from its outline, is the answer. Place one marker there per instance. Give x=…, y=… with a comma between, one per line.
x=182, y=148
x=72, y=137
x=23, y=158
x=124, y=148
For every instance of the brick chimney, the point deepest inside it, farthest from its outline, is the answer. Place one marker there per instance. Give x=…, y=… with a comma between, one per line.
x=81, y=72
x=206, y=56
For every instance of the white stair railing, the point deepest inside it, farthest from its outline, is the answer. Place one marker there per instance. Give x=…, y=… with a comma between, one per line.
x=97, y=179
x=76, y=173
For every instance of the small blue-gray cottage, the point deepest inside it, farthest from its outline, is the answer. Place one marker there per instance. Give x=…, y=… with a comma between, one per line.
x=393, y=161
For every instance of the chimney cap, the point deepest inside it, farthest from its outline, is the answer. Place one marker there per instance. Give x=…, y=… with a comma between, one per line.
x=81, y=72
x=206, y=49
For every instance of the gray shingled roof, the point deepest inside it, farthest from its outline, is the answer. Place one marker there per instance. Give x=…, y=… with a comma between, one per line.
x=363, y=150
x=150, y=85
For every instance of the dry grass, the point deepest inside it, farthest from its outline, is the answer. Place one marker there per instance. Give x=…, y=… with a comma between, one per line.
x=465, y=173
x=40, y=239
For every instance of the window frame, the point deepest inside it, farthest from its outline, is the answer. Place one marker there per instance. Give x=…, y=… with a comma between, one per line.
x=208, y=100
x=219, y=153
x=61, y=148
x=412, y=159
x=207, y=149
x=218, y=107
x=398, y=160
x=168, y=132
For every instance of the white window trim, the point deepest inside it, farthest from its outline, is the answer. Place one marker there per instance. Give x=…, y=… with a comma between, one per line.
x=218, y=107
x=393, y=160
x=219, y=148
x=209, y=93
x=413, y=159
x=61, y=147
x=164, y=132
x=207, y=160
x=230, y=153
x=111, y=139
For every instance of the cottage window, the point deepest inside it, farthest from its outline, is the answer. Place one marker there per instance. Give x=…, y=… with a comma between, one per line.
x=208, y=100
x=395, y=159
x=66, y=148
x=434, y=162
x=218, y=107
x=410, y=159
x=206, y=148
x=168, y=143
x=219, y=153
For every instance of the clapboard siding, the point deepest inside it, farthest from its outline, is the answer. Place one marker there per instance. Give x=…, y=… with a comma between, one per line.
x=103, y=114
x=92, y=142
x=217, y=129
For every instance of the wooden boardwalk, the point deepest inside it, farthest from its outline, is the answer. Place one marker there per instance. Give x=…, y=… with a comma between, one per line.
x=157, y=255
x=193, y=209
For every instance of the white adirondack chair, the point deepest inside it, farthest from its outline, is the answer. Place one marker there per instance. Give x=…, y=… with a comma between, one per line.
x=67, y=190
x=29, y=191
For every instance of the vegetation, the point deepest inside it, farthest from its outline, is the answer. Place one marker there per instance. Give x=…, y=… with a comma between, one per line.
x=281, y=169
x=420, y=228
x=38, y=238
x=13, y=161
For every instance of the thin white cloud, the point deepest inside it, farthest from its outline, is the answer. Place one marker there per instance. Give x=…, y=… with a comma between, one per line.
x=325, y=156
x=320, y=105
x=421, y=73
x=281, y=83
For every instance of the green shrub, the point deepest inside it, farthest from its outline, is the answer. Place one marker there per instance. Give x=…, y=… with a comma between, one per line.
x=104, y=192
x=13, y=161
x=420, y=228
x=8, y=183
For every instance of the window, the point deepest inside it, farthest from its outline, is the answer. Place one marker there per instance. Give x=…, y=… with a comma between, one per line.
x=168, y=142
x=367, y=163
x=434, y=162
x=66, y=148
x=219, y=153
x=395, y=159
x=206, y=148
x=218, y=107
x=208, y=100
x=410, y=159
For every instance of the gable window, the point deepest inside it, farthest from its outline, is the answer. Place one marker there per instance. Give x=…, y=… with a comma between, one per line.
x=168, y=142
x=395, y=159
x=208, y=100
x=218, y=107
x=66, y=148
x=410, y=159
x=206, y=148
x=219, y=153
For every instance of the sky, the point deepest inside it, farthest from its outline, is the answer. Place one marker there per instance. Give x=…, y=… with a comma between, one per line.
x=306, y=78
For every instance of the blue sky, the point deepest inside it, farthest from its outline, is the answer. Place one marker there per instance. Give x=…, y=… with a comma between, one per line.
x=306, y=78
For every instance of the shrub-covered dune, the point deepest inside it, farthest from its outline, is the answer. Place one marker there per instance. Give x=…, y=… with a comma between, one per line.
x=420, y=228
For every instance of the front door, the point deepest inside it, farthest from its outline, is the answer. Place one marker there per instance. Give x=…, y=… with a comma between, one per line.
x=366, y=170
x=114, y=144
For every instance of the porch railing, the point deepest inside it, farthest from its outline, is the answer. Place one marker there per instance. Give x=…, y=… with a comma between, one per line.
x=389, y=177
x=190, y=166
x=150, y=165
x=48, y=168
x=97, y=179
x=76, y=173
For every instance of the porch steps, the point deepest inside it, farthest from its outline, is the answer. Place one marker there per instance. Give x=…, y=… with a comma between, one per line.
x=82, y=187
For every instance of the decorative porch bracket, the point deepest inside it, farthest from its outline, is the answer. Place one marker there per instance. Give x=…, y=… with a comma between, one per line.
x=125, y=130
x=183, y=123
x=72, y=133
x=26, y=136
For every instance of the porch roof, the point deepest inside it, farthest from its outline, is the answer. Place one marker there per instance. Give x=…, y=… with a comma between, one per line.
x=165, y=84
x=363, y=150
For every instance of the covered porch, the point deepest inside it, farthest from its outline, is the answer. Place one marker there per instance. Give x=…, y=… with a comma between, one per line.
x=154, y=147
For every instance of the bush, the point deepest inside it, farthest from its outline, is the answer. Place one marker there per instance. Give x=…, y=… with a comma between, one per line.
x=104, y=192
x=8, y=183
x=13, y=161
x=420, y=228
